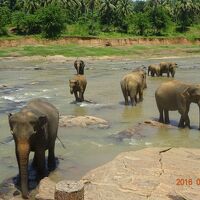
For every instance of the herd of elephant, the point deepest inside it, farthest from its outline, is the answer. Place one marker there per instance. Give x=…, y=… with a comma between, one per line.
x=34, y=127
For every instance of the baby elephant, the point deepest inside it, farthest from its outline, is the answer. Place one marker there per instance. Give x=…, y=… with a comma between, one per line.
x=78, y=85
x=133, y=84
x=154, y=70
x=34, y=128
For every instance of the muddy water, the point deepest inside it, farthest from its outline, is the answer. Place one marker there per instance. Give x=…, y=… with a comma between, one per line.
x=87, y=148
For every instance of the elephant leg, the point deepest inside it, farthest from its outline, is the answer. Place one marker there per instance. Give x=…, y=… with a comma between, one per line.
x=81, y=97
x=40, y=158
x=51, y=157
x=168, y=74
x=181, y=122
x=133, y=102
x=166, y=116
x=125, y=97
x=187, y=121
x=76, y=96
x=34, y=162
x=161, y=119
x=152, y=74
x=141, y=94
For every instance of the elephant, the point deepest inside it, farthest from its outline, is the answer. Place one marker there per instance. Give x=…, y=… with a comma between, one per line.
x=176, y=95
x=168, y=67
x=78, y=85
x=79, y=66
x=154, y=69
x=133, y=84
x=34, y=128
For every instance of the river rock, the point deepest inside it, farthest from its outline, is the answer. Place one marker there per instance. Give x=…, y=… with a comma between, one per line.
x=3, y=86
x=141, y=130
x=82, y=121
x=46, y=189
x=147, y=174
x=69, y=190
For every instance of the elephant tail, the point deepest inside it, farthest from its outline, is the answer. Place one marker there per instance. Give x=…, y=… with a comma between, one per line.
x=64, y=147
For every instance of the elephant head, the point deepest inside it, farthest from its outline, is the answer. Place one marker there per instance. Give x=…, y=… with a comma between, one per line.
x=73, y=84
x=24, y=127
x=79, y=66
x=192, y=95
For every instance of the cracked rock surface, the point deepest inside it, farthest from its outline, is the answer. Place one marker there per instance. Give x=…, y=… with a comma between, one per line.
x=148, y=174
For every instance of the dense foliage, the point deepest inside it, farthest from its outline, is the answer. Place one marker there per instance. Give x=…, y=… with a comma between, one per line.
x=91, y=17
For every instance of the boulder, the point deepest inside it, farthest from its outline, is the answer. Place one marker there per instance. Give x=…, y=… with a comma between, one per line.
x=148, y=174
x=69, y=190
x=82, y=121
x=141, y=130
x=46, y=189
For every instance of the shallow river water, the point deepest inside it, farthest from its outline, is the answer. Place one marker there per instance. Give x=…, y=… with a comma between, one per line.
x=87, y=148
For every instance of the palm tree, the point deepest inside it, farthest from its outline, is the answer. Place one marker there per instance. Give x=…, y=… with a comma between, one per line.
x=186, y=10
x=124, y=8
x=106, y=11
x=28, y=6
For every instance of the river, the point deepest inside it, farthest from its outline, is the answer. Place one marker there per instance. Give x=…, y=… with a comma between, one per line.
x=87, y=148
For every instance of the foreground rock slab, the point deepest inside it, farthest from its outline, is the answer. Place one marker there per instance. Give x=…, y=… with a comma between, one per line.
x=46, y=189
x=82, y=121
x=148, y=174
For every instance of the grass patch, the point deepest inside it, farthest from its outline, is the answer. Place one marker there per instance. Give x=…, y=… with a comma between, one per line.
x=73, y=50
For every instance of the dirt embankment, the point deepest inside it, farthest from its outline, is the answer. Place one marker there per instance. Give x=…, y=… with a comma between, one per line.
x=92, y=41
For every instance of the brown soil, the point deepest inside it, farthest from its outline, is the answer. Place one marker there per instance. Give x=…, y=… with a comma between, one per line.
x=90, y=41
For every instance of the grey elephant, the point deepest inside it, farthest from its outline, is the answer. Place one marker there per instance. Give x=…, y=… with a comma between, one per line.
x=79, y=66
x=133, y=85
x=168, y=67
x=77, y=87
x=34, y=128
x=154, y=69
x=176, y=95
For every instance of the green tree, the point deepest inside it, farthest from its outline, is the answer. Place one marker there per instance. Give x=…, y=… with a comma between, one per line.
x=186, y=11
x=52, y=21
x=26, y=23
x=141, y=24
x=158, y=17
x=28, y=6
x=106, y=11
x=4, y=19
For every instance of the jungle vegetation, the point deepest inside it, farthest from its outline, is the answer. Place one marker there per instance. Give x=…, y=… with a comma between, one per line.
x=53, y=18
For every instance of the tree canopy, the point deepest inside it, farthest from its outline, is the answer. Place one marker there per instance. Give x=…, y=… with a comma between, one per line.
x=150, y=17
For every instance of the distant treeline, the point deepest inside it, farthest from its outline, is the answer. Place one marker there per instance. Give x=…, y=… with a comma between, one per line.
x=53, y=17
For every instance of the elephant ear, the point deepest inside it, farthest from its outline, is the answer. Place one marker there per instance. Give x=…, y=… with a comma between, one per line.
x=83, y=64
x=9, y=119
x=75, y=63
x=42, y=120
x=182, y=98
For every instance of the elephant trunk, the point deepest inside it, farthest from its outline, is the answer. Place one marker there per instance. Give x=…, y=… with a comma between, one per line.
x=23, y=150
x=199, y=114
x=71, y=90
x=78, y=69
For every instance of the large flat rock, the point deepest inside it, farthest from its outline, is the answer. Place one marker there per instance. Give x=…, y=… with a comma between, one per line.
x=150, y=173
x=82, y=121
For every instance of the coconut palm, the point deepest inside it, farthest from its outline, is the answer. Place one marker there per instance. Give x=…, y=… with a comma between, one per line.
x=124, y=8
x=28, y=6
x=186, y=10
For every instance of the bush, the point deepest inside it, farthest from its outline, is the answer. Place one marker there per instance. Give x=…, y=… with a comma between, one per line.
x=159, y=19
x=52, y=21
x=26, y=23
x=141, y=24
x=4, y=19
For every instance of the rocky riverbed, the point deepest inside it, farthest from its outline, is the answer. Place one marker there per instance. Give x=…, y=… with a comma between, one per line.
x=147, y=174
